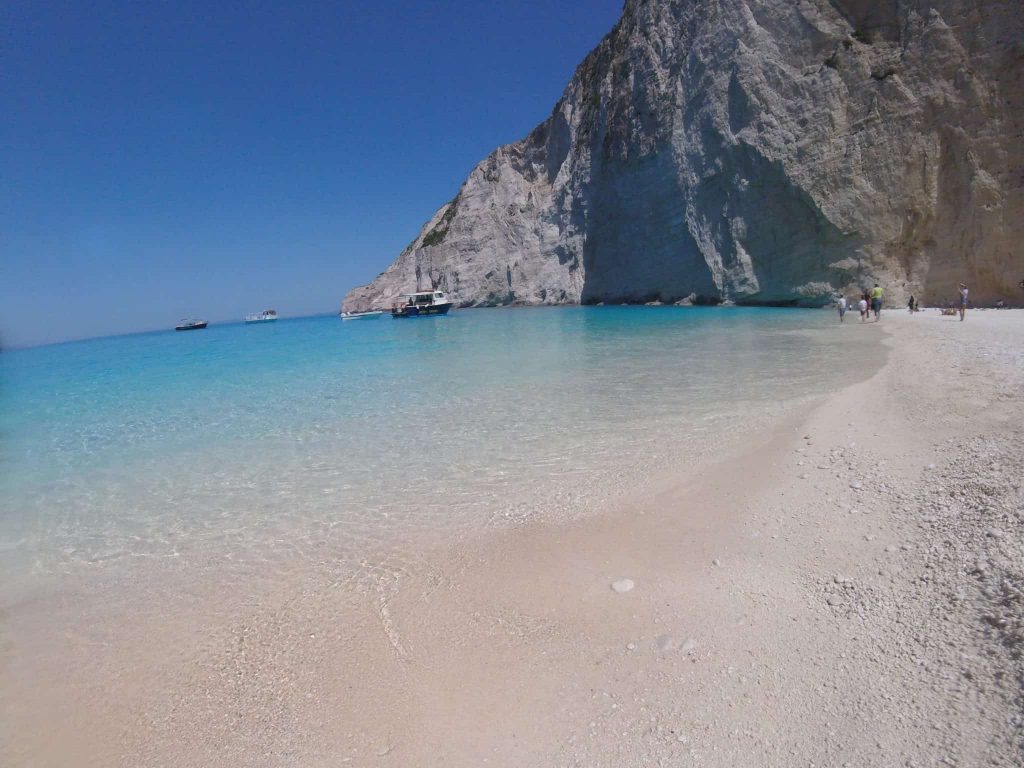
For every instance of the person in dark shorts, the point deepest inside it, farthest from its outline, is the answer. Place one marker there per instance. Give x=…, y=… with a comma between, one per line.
x=841, y=306
x=876, y=301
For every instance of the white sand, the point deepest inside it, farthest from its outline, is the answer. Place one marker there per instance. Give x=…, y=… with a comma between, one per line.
x=826, y=597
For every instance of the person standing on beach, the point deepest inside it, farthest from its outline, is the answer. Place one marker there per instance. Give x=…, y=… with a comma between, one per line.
x=841, y=306
x=963, y=301
x=876, y=301
x=910, y=305
x=862, y=305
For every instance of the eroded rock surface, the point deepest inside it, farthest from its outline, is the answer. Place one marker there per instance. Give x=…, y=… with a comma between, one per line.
x=756, y=151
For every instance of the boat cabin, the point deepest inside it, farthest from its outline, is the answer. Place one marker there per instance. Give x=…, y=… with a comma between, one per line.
x=423, y=298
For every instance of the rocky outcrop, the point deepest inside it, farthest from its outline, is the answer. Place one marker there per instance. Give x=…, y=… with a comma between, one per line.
x=756, y=151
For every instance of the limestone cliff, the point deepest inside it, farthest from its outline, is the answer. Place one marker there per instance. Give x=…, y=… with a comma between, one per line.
x=756, y=151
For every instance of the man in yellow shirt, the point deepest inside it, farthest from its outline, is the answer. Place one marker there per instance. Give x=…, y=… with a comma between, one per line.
x=876, y=301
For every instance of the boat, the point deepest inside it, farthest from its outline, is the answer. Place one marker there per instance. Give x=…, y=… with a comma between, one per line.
x=422, y=303
x=368, y=313
x=266, y=316
x=190, y=325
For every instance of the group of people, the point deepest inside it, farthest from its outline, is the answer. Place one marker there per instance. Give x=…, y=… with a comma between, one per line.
x=960, y=306
x=870, y=302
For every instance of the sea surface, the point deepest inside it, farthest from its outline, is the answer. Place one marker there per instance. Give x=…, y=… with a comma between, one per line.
x=238, y=447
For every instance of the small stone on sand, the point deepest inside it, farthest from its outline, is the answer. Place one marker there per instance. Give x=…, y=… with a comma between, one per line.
x=622, y=585
x=663, y=643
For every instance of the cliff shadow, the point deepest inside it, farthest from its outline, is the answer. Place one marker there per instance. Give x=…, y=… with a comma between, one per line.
x=768, y=240
x=638, y=246
x=744, y=232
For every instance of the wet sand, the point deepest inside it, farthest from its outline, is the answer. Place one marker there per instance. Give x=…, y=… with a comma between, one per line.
x=841, y=588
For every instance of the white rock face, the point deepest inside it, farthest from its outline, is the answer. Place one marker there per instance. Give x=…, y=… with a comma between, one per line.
x=756, y=151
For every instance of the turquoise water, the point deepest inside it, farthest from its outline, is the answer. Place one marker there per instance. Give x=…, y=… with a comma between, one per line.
x=256, y=442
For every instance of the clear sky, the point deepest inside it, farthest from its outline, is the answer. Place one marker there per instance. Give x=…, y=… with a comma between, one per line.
x=169, y=159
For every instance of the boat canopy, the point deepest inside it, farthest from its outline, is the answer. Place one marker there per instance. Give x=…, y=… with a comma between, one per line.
x=423, y=297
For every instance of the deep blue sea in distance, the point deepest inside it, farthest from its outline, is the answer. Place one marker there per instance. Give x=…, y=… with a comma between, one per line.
x=246, y=441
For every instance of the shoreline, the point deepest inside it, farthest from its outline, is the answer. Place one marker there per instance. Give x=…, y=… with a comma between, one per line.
x=778, y=613
x=335, y=313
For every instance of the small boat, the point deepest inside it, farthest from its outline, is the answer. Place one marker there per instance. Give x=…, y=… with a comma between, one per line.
x=421, y=304
x=266, y=316
x=360, y=315
x=190, y=325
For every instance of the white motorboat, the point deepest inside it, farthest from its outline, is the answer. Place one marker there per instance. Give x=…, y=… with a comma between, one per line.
x=266, y=316
x=422, y=304
x=369, y=313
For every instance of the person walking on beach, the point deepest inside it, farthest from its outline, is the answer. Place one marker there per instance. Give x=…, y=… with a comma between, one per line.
x=841, y=306
x=963, y=301
x=862, y=305
x=876, y=301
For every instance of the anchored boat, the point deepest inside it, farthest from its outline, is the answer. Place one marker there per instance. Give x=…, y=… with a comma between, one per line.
x=422, y=303
x=190, y=325
x=266, y=316
x=366, y=314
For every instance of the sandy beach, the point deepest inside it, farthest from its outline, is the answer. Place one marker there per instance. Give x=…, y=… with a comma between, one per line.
x=844, y=588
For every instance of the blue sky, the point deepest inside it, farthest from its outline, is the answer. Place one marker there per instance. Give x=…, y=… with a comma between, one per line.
x=206, y=159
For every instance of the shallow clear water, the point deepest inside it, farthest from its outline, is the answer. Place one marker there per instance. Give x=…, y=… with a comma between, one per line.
x=256, y=442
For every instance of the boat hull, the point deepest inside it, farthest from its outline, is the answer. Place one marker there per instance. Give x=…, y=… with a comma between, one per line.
x=195, y=327
x=261, y=320
x=434, y=309
x=361, y=315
